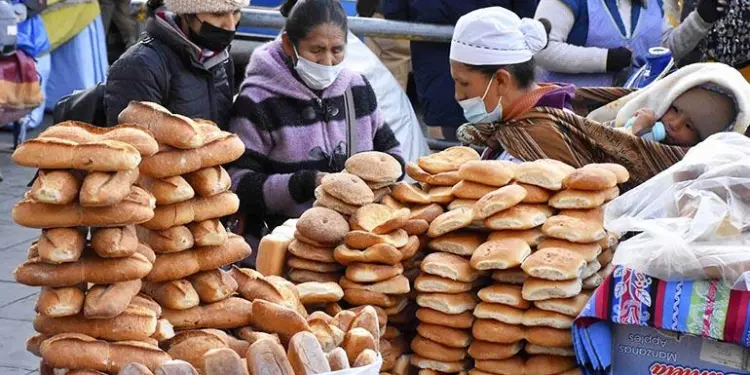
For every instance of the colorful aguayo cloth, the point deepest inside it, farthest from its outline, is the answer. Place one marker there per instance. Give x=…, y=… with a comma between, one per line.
x=702, y=308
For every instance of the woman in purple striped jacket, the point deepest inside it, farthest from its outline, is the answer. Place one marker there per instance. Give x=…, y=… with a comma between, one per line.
x=291, y=116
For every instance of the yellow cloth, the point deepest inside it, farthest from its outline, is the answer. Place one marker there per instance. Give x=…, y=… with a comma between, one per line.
x=746, y=73
x=63, y=23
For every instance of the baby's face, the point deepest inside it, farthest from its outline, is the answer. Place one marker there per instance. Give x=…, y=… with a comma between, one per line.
x=698, y=112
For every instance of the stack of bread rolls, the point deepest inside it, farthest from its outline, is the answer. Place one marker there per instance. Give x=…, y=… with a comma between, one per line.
x=272, y=249
x=88, y=259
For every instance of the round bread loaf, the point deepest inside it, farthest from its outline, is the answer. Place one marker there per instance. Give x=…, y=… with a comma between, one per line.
x=450, y=221
x=489, y=172
x=416, y=227
x=448, y=160
x=370, y=273
x=395, y=285
x=501, y=313
x=380, y=254
x=554, y=264
x=590, y=269
x=348, y=188
x=531, y=236
x=304, y=276
x=535, y=317
x=537, y=289
x=451, y=337
x=579, y=199
x=510, y=295
x=405, y=192
x=438, y=366
x=374, y=166
x=546, y=336
x=428, y=212
x=471, y=190
x=498, y=200
x=316, y=292
x=323, y=199
x=484, y=350
x=496, y=332
x=449, y=266
x=545, y=173
x=359, y=297
x=427, y=283
x=451, y=304
x=462, y=203
x=589, y=252
x=568, y=306
x=379, y=219
x=514, y=276
x=311, y=265
x=462, y=321
x=444, y=179
x=590, y=178
x=519, y=217
x=361, y=240
x=620, y=172
x=500, y=255
x=323, y=225
x=535, y=194
x=550, y=350
x=305, y=251
x=573, y=230
x=458, y=243
x=436, y=351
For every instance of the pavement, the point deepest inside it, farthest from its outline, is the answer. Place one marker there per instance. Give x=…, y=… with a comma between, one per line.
x=16, y=301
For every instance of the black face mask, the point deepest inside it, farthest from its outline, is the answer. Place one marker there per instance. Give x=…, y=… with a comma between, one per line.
x=211, y=37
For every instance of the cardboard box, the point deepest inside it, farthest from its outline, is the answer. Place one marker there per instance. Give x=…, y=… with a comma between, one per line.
x=648, y=351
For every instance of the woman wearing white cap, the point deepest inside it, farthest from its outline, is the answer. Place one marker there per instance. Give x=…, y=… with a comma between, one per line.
x=492, y=64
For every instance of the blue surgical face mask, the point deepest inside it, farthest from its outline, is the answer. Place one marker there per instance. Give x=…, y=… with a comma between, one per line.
x=316, y=76
x=476, y=112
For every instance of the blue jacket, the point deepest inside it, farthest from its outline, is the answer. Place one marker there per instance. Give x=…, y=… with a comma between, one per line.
x=430, y=61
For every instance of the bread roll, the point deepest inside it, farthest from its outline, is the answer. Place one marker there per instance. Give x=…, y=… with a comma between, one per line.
x=370, y=273
x=450, y=159
x=81, y=132
x=254, y=286
x=174, y=162
x=313, y=292
x=546, y=336
x=450, y=221
x=176, y=367
x=114, y=242
x=366, y=358
x=109, y=301
x=416, y=227
x=209, y=181
x=146, y=251
x=410, y=194
x=360, y=297
x=214, y=285
x=94, y=156
x=514, y=276
x=337, y=359
x=306, y=355
x=380, y=253
x=179, y=265
x=102, y=189
x=229, y=313
x=267, y=357
x=448, y=336
x=191, y=346
x=439, y=366
x=169, y=190
x=519, y=217
x=501, y=313
x=304, y=276
x=536, y=317
x=172, y=240
x=593, y=282
x=223, y=361
x=550, y=350
x=55, y=187
x=589, y=252
x=135, y=323
x=449, y=266
x=309, y=252
x=590, y=269
x=348, y=188
x=496, y=332
x=175, y=295
x=167, y=128
x=426, y=283
x=554, y=264
x=578, y=199
x=136, y=208
x=146, y=302
x=374, y=166
x=272, y=254
x=60, y=302
x=590, y=178
x=34, y=272
x=489, y=172
x=471, y=190
x=451, y=304
x=573, y=229
x=532, y=236
x=251, y=336
x=77, y=350
x=510, y=295
x=311, y=265
x=273, y=318
x=34, y=343
x=356, y=341
x=197, y=209
x=208, y=232
x=538, y=289
x=430, y=316
x=498, y=200
x=61, y=245
x=395, y=285
x=535, y=194
x=361, y=240
x=323, y=226
x=485, y=350
x=323, y=199
x=458, y=243
x=134, y=368
x=500, y=255
x=379, y=219
x=545, y=173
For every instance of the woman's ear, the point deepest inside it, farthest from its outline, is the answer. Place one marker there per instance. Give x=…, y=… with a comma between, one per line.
x=504, y=82
x=286, y=45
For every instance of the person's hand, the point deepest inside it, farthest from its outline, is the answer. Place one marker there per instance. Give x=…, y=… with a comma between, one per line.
x=711, y=10
x=319, y=178
x=618, y=59
x=644, y=120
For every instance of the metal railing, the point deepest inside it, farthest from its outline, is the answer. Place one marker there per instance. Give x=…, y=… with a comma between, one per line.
x=372, y=27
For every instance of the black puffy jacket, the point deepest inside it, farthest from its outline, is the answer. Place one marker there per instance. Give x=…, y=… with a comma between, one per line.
x=165, y=68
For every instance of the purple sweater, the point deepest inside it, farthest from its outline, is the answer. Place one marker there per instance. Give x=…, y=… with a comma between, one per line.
x=291, y=133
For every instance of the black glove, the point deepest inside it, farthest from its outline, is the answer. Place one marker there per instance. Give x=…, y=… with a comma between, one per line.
x=366, y=8
x=711, y=10
x=618, y=59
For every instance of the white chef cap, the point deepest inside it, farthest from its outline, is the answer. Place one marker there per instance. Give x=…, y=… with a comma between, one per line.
x=496, y=36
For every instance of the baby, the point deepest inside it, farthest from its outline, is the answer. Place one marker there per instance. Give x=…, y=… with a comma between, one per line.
x=692, y=117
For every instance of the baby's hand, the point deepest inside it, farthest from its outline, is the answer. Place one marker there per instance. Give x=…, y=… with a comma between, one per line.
x=644, y=121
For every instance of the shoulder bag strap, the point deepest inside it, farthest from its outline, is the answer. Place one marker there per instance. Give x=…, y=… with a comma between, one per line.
x=351, y=144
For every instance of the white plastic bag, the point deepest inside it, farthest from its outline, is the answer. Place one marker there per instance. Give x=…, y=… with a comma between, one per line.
x=693, y=219
x=373, y=369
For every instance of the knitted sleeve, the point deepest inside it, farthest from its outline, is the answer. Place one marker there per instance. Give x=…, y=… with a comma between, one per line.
x=684, y=38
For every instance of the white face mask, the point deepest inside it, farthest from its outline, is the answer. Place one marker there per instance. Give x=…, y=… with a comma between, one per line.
x=476, y=112
x=316, y=76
